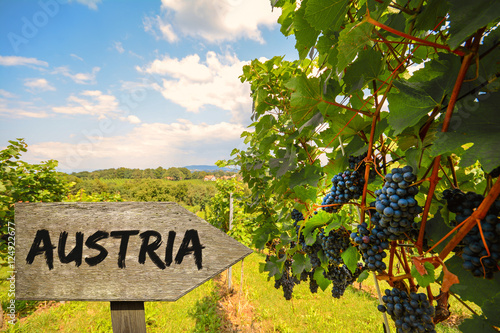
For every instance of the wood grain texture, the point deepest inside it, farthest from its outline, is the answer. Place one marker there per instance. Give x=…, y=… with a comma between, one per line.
x=128, y=317
x=106, y=281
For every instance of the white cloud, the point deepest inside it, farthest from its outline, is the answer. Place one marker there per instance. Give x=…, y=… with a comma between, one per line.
x=7, y=94
x=119, y=47
x=194, y=84
x=21, y=61
x=92, y=4
x=20, y=109
x=95, y=103
x=177, y=144
x=38, y=85
x=92, y=102
x=188, y=68
x=160, y=29
x=213, y=20
x=135, y=55
x=80, y=78
x=76, y=57
x=133, y=119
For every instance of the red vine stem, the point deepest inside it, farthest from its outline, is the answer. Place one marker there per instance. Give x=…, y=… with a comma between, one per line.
x=476, y=217
x=410, y=37
x=446, y=123
x=347, y=108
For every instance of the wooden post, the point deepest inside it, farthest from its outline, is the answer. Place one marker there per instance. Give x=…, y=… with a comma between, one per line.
x=128, y=317
x=229, y=271
x=241, y=278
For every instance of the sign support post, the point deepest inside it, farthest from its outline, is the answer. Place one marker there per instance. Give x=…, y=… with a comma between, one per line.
x=128, y=317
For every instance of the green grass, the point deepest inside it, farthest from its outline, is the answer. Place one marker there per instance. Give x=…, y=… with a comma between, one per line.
x=356, y=311
x=197, y=311
x=194, y=312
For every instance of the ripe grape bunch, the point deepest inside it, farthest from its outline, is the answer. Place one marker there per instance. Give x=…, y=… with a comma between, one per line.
x=341, y=278
x=287, y=281
x=372, y=245
x=475, y=256
x=347, y=185
x=396, y=205
x=333, y=244
x=411, y=313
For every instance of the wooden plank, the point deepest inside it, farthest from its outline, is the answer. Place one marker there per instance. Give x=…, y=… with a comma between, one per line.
x=128, y=317
x=144, y=223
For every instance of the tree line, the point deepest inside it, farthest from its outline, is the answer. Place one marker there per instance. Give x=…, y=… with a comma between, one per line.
x=172, y=173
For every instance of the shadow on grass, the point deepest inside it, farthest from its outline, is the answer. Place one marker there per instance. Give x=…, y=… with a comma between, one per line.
x=209, y=316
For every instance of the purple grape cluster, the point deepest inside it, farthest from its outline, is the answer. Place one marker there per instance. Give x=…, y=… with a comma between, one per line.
x=411, y=313
x=372, y=245
x=474, y=253
x=346, y=185
x=396, y=207
x=333, y=244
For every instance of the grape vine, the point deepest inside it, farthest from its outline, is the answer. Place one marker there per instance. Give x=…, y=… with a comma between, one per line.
x=388, y=105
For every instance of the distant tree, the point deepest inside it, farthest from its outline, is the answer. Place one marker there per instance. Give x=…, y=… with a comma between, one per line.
x=175, y=173
x=137, y=174
x=186, y=172
x=199, y=174
x=149, y=173
x=120, y=173
x=159, y=172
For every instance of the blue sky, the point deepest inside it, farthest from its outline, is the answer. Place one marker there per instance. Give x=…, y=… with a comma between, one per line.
x=100, y=84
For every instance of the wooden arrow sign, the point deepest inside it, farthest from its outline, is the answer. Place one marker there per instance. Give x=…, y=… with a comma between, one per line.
x=116, y=251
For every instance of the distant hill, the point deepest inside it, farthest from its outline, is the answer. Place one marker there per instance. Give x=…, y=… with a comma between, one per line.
x=207, y=168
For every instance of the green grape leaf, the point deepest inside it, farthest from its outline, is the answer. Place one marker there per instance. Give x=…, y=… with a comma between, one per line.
x=274, y=266
x=352, y=39
x=476, y=324
x=326, y=15
x=422, y=92
x=471, y=288
x=305, y=97
x=365, y=68
x=413, y=158
x=363, y=276
x=326, y=50
x=466, y=17
x=426, y=279
x=351, y=257
x=286, y=18
x=305, y=34
x=356, y=124
x=261, y=237
x=478, y=124
x=309, y=174
x=334, y=223
x=436, y=229
x=305, y=194
x=323, y=282
x=492, y=311
x=317, y=220
x=280, y=166
x=432, y=14
x=299, y=263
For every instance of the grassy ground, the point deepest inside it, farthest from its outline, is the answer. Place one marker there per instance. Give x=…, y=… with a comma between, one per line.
x=356, y=311
x=192, y=313
x=200, y=311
